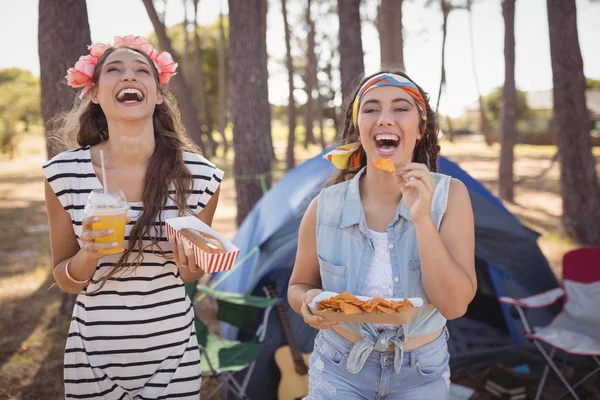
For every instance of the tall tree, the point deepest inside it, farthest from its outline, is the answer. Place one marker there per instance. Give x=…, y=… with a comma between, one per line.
x=250, y=109
x=180, y=84
x=186, y=42
x=579, y=181
x=63, y=36
x=508, y=133
x=290, y=162
x=446, y=7
x=222, y=83
x=201, y=92
x=389, y=26
x=483, y=121
x=352, y=65
x=310, y=77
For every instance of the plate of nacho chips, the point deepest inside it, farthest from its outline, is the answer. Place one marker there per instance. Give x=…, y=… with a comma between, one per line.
x=346, y=307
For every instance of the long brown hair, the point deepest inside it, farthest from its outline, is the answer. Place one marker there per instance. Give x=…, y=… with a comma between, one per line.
x=425, y=152
x=85, y=125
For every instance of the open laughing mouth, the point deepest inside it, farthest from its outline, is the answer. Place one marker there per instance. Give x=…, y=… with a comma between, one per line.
x=130, y=96
x=387, y=142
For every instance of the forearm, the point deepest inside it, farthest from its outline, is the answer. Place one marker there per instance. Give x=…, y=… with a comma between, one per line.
x=297, y=294
x=81, y=268
x=447, y=285
x=188, y=276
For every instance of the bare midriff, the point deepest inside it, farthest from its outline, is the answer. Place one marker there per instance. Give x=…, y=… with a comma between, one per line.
x=409, y=344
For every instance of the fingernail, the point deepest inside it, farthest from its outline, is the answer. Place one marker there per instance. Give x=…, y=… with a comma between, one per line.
x=96, y=219
x=110, y=231
x=114, y=244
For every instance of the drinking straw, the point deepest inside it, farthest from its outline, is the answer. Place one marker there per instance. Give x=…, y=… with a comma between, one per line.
x=103, y=172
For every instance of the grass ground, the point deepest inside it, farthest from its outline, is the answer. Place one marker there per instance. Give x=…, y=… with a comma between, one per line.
x=32, y=335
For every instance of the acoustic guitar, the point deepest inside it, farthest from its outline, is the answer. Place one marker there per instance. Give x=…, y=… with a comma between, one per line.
x=290, y=360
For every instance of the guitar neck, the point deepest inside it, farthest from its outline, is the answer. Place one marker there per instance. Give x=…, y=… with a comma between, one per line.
x=287, y=328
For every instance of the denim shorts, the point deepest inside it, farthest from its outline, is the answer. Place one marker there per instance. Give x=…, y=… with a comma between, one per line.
x=425, y=373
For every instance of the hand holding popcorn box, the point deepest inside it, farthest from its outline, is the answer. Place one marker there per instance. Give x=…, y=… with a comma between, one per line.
x=212, y=252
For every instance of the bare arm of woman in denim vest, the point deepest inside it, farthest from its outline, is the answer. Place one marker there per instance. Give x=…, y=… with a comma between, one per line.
x=388, y=120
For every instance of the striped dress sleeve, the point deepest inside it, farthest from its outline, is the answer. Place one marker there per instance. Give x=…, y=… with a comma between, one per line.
x=207, y=178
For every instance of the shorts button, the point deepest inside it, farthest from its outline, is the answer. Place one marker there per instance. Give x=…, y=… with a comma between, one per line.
x=382, y=341
x=391, y=245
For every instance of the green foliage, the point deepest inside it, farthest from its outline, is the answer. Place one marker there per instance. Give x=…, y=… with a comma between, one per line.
x=493, y=105
x=593, y=84
x=209, y=43
x=19, y=104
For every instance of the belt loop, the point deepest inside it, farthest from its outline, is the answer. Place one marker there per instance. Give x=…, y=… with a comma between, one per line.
x=413, y=358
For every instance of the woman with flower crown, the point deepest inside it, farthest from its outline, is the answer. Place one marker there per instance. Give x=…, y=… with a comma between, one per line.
x=132, y=333
x=400, y=232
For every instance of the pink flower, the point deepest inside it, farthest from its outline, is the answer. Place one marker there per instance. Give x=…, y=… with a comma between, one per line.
x=166, y=66
x=97, y=49
x=149, y=50
x=81, y=74
x=130, y=40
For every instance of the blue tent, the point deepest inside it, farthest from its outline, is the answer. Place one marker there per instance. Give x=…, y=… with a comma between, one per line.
x=508, y=262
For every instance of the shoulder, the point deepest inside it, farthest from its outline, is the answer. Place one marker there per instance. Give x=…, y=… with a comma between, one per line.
x=458, y=195
x=201, y=168
x=68, y=159
x=194, y=159
x=336, y=190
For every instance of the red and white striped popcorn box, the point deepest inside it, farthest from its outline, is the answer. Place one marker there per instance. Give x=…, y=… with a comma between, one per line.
x=209, y=262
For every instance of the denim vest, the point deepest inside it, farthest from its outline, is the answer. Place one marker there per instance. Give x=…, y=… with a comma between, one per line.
x=345, y=253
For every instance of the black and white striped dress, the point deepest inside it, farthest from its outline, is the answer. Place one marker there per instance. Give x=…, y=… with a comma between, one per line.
x=135, y=338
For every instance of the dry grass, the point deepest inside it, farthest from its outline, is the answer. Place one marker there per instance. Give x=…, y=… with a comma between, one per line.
x=32, y=338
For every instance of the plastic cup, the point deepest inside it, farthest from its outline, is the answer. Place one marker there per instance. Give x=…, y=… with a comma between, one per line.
x=111, y=209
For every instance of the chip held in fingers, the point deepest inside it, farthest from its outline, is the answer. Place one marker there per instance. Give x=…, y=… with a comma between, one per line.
x=346, y=307
x=385, y=164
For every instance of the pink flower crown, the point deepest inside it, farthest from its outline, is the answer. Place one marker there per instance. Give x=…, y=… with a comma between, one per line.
x=81, y=74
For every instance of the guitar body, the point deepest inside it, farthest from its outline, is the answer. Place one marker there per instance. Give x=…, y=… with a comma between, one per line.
x=292, y=385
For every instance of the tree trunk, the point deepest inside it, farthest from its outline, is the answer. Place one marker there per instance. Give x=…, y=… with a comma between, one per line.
x=483, y=122
x=201, y=85
x=186, y=43
x=389, y=26
x=180, y=84
x=222, y=83
x=249, y=102
x=289, y=160
x=508, y=134
x=352, y=65
x=579, y=181
x=445, y=13
x=310, y=78
x=63, y=36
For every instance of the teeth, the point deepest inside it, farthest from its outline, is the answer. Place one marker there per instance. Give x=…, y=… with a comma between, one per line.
x=385, y=136
x=131, y=91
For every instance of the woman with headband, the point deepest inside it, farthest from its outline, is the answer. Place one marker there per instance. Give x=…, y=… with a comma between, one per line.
x=381, y=234
x=132, y=334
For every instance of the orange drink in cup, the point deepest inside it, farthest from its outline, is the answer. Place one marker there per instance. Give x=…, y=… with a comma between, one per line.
x=111, y=209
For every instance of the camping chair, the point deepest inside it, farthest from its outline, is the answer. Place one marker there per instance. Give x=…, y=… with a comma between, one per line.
x=221, y=358
x=576, y=328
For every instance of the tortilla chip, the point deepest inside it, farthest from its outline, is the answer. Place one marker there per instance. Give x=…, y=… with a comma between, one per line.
x=348, y=308
x=385, y=164
x=348, y=303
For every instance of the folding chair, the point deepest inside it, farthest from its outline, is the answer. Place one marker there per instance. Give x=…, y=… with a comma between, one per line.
x=221, y=358
x=576, y=328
